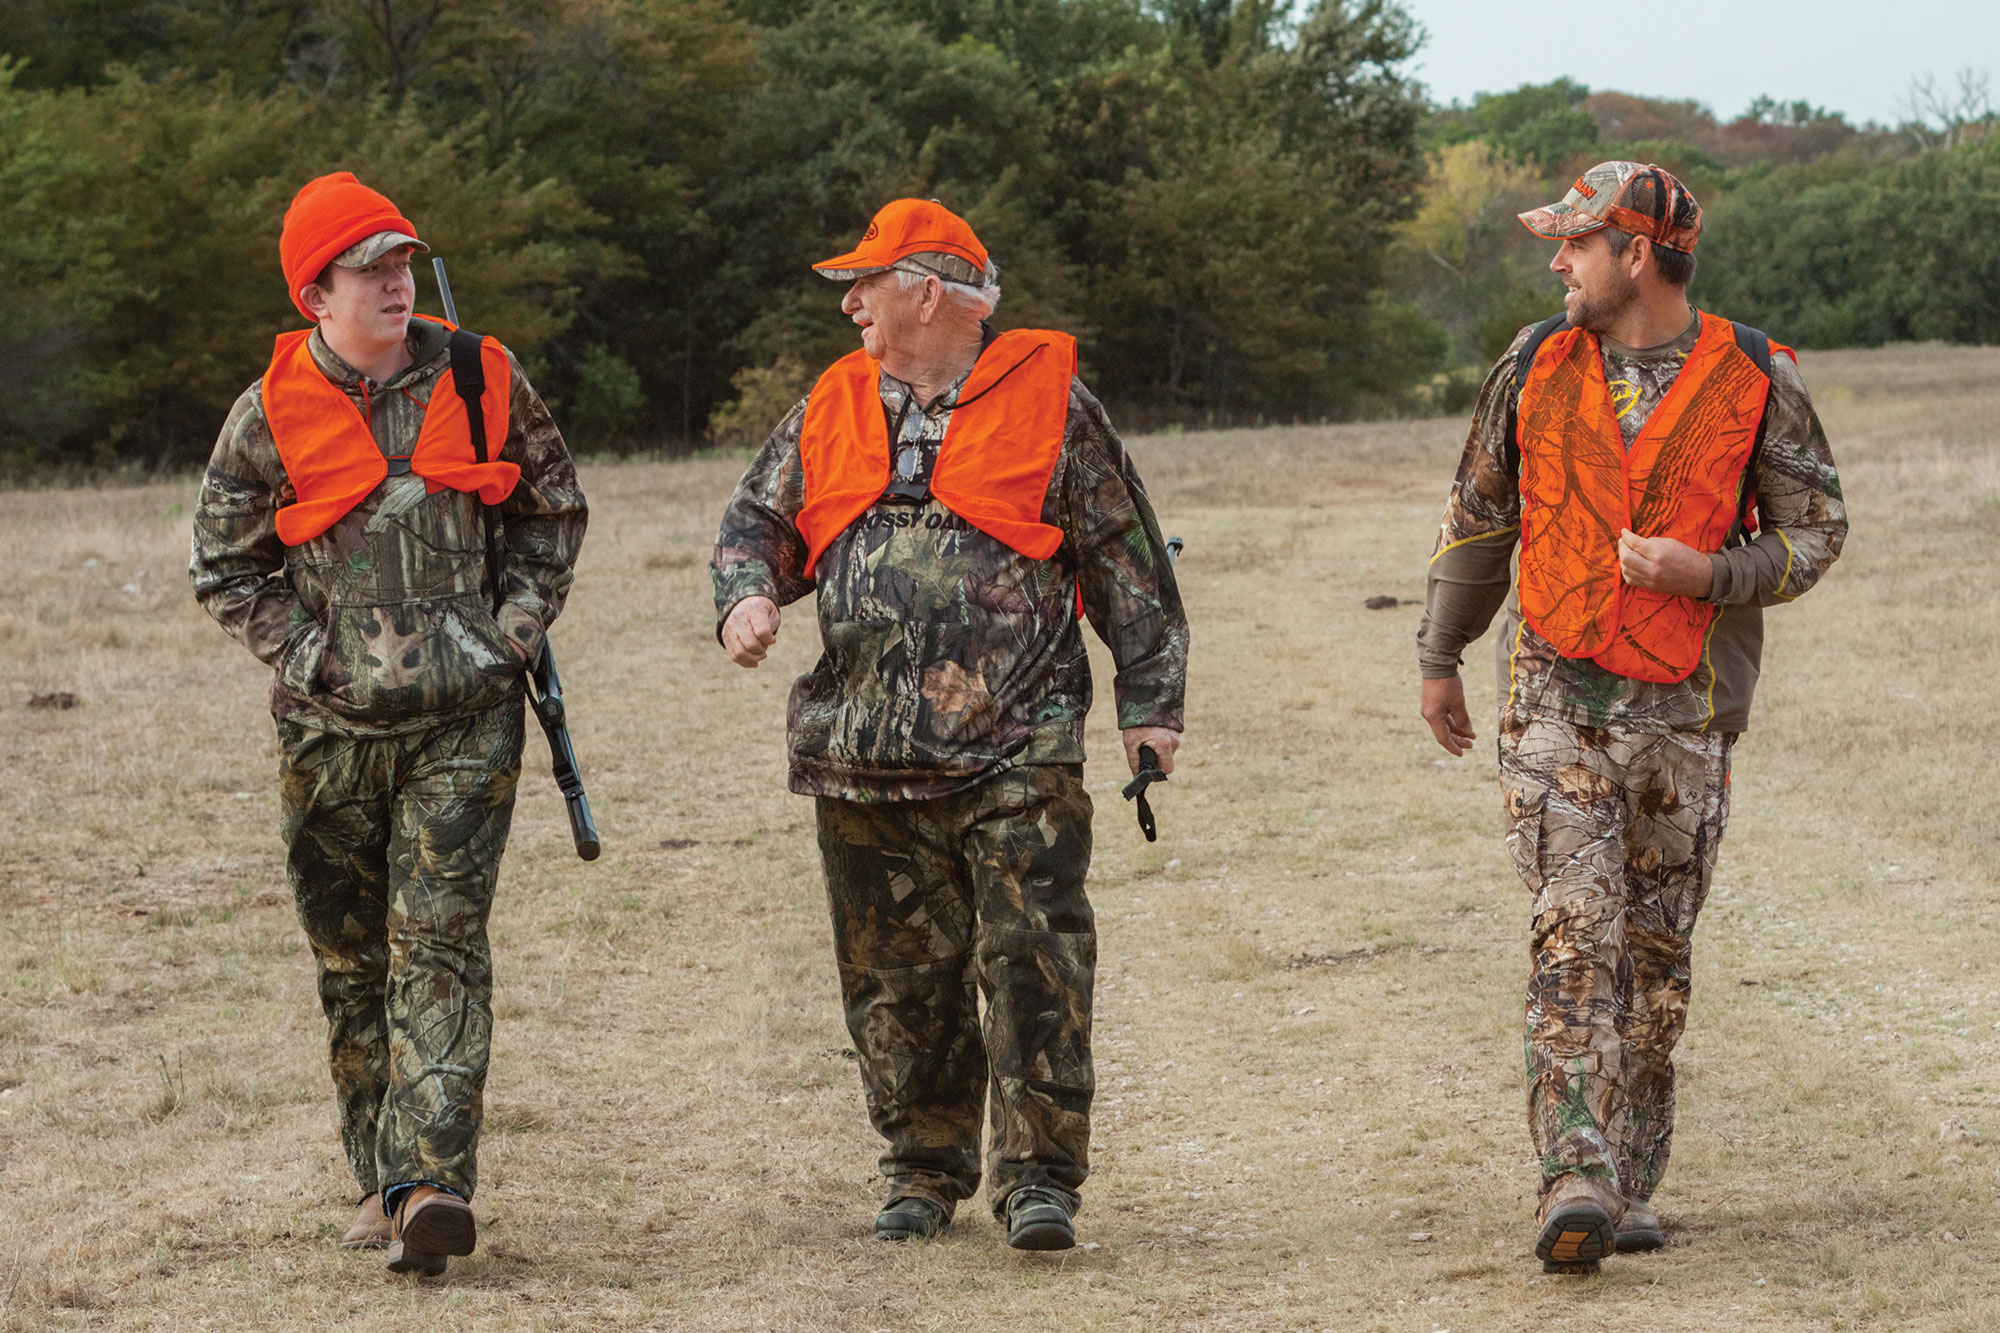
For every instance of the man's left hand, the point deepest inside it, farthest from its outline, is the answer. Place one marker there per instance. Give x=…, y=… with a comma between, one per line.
x=1664, y=565
x=1163, y=741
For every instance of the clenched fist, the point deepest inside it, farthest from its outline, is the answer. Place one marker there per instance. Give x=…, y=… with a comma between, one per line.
x=750, y=631
x=1164, y=742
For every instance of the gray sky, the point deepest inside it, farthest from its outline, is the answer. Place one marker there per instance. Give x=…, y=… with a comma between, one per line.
x=1855, y=56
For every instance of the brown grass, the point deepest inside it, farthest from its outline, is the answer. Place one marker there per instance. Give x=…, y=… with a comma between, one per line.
x=1309, y=1009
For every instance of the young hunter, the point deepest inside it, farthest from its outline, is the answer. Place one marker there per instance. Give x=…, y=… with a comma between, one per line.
x=1665, y=478
x=958, y=499
x=342, y=535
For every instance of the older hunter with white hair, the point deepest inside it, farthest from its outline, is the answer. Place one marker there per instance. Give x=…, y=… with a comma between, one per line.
x=958, y=500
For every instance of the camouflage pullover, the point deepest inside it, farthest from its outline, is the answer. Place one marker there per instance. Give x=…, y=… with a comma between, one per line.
x=385, y=623
x=949, y=657
x=1803, y=518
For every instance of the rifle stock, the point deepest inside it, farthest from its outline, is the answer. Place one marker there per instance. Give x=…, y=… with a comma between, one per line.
x=545, y=695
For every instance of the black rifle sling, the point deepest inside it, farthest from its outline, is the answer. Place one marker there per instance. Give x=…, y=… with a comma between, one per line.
x=468, y=376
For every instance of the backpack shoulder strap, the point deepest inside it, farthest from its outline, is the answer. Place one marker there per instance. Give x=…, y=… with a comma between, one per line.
x=1524, y=361
x=468, y=375
x=1755, y=344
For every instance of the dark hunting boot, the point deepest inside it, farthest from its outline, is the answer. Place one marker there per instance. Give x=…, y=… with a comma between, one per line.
x=1639, y=1231
x=910, y=1218
x=1038, y=1219
x=1579, y=1225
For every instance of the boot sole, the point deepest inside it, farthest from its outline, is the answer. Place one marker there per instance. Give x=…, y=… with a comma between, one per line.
x=1042, y=1236
x=441, y=1225
x=1576, y=1233
x=1572, y=1270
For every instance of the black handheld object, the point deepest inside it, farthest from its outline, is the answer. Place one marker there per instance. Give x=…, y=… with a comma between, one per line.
x=1149, y=760
x=545, y=696
x=1135, y=790
x=544, y=685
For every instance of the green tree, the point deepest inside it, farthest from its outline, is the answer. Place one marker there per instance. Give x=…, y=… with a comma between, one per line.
x=1837, y=254
x=1544, y=123
x=142, y=246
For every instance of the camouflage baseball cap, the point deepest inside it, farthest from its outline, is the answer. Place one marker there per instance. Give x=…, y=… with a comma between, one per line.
x=1638, y=197
x=363, y=253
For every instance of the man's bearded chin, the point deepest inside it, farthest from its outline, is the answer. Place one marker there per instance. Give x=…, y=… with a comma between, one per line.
x=1598, y=313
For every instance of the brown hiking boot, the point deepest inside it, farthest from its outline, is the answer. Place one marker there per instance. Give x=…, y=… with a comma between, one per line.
x=370, y=1229
x=1579, y=1225
x=429, y=1225
x=1639, y=1231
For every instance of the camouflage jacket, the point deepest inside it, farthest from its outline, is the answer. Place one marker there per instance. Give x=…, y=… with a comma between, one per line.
x=949, y=657
x=385, y=623
x=1803, y=523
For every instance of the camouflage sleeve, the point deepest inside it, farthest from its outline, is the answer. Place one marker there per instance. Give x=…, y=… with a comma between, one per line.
x=758, y=552
x=1123, y=569
x=235, y=559
x=1472, y=566
x=542, y=521
x=1801, y=516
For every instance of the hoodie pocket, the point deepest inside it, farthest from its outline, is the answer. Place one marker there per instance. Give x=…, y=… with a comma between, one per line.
x=409, y=659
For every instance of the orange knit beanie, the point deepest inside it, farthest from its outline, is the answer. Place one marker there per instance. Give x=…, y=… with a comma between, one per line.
x=326, y=217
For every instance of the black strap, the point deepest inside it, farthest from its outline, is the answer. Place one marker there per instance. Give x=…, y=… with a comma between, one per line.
x=468, y=376
x=1524, y=361
x=1135, y=790
x=1755, y=344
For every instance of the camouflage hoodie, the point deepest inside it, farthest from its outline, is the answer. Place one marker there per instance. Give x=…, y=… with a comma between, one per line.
x=949, y=657
x=385, y=623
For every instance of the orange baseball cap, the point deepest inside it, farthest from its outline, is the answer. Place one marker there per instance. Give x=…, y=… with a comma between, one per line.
x=920, y=235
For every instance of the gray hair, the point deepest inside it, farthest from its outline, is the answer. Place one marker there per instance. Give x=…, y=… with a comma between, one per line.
x=983, y=298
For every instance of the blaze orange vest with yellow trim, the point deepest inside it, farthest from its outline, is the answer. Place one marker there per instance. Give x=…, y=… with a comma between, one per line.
x=333, y=460
x=1580, y=485
x=993, y=466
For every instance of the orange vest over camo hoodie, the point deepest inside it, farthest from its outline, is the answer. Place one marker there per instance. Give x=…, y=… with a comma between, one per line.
x=993, y=467
x=1580, y=485
x=331, y=456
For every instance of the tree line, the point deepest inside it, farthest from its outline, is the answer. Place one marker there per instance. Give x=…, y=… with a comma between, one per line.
x=1246, y=211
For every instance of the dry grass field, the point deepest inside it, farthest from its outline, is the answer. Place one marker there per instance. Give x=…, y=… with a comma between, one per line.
x=1311, y=1100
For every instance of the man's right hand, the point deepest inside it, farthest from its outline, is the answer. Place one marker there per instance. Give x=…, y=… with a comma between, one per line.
x=1444, y=709
x=750, y=631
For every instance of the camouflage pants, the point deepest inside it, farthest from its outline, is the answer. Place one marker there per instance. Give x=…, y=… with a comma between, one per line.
x=1616, y=836
x=393, y=848
x=936, y=903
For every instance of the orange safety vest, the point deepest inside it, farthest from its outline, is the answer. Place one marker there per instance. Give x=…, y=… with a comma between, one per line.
x=1580, y=485
x=332, y=458
x=993, y=467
